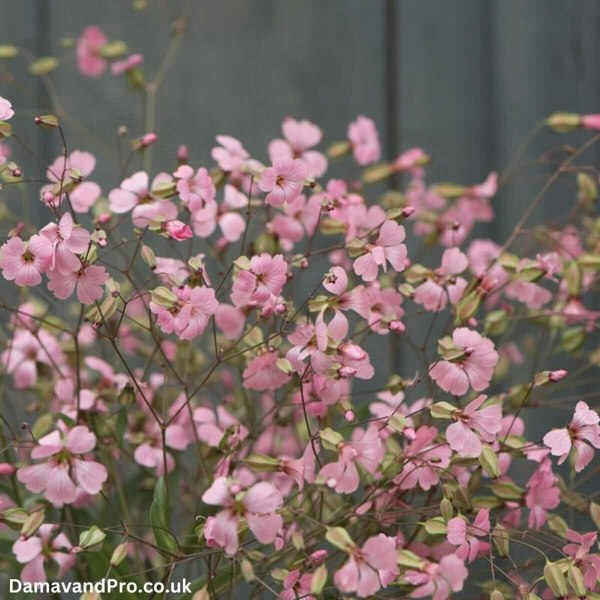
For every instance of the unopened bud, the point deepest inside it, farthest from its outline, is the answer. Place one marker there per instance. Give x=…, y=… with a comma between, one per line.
x=346, y=372
x=555, y=579
x=47, y=121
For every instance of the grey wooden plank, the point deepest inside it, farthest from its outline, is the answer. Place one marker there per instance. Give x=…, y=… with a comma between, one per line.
x=242, y=67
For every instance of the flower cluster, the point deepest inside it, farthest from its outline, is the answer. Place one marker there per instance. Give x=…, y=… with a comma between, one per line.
x=274, y=374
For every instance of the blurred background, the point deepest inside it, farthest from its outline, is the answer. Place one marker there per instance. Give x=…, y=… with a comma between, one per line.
x=465, y=79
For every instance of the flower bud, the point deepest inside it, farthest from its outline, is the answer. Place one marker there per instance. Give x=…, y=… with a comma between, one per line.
x=6, y=469
x=496, y=595
x=555, y=579
x=148, y=256
x=119, y=554
x=339, y=149
x=247, y=570
x=47, y=121
x=33, y=522
x=351, y=351
x=575, y=577
x=563, y=121
x=346, y=372
x=319, y=580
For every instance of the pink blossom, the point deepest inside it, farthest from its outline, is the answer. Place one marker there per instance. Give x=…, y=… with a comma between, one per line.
x=122, y=66
x=45, y=546
x=369, y=568
x=297, y=586
x=474, y=368
x=26, y=352
x=382, y=308
x=410, y=160
x=443, y=284
x=257, y=504
x=230, y=155
x=364, y=138
x=88, y=282
x=6, y=111
x=423, y=459
x=388, y=247
x=582, y=434
x=177, y=230
x=212, y=426
x=89, y=59
x=65, y=470
x=299, y=136
x=487, y=422
x=591, y=122
x=84, y=196
x=262, y=373
x=151, y=453
x=195, y=190
x=542, y=494
x=283, y=181
x=189, y=317
x=579, y=549
x=438, y=580
x=365, y=449
x=135, y=194
x=465, y=536
x=25, y=262
x=261, y=282
x=67, y=242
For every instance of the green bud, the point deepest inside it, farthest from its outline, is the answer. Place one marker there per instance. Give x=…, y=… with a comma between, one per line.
x=47, y=121
x=33, y=522
x=339, y=149
x=339, y=537
x=319, y=580
x=377, y=173
x=555, y=579
x=488, y=459
x=247, y=570
x=163, y=297
x=262, y=463
x=119, y=554
x=563, y=121
x=91, y=539
x=575, y=577
x=43, y=65
x=501, y=540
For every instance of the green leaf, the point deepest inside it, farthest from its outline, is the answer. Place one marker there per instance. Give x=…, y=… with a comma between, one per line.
x=159, y=518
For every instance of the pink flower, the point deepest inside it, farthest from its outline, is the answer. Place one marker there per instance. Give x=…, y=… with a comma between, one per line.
x=135, y=194
x=423, y=459
x=438, y=580
x=410, y=160
x=257, y=505
x=369, y=568
x=86, y=193
x=262, y=373
x=88, y=282
x=189, y=317
x=582, y=428
x=67, y=241
x=261, y=282
x=89, y=59
x=297, y=586
x=364, y=138
x=230, y=155
x=284, y=181
x=300, y=136
x=26, y=351
x=25, y=263
x=178, y=230
x=41, y=548
x=122, y=66
x=465, y=536
x=365, y=449
x=474, y=368
x=65, y=470
x=542, y=495
x=443, y=285
x=6, y=111
x=151, y=453
x=387, y=247
x=211, y=427
x=486, y=421
x=579, y=549
x=195, y=190
x=591, y=122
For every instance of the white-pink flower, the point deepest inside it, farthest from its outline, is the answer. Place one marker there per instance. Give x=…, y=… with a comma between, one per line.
x=465, y=536
x=388, y=247
x=487, y=422
x=283, y=181
x=257, y=505
x=88, y=282
x=89, y=59
x=6, y=111
x=300, y=137
x=67, y=242
x=261, y=282
x=369, y=568
x=438, y=580
x=582, y=435
x=36, y=551
x=364, y=138
x=230, y=155
x=66, y=469
x=473, y=368
x=25, y=262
